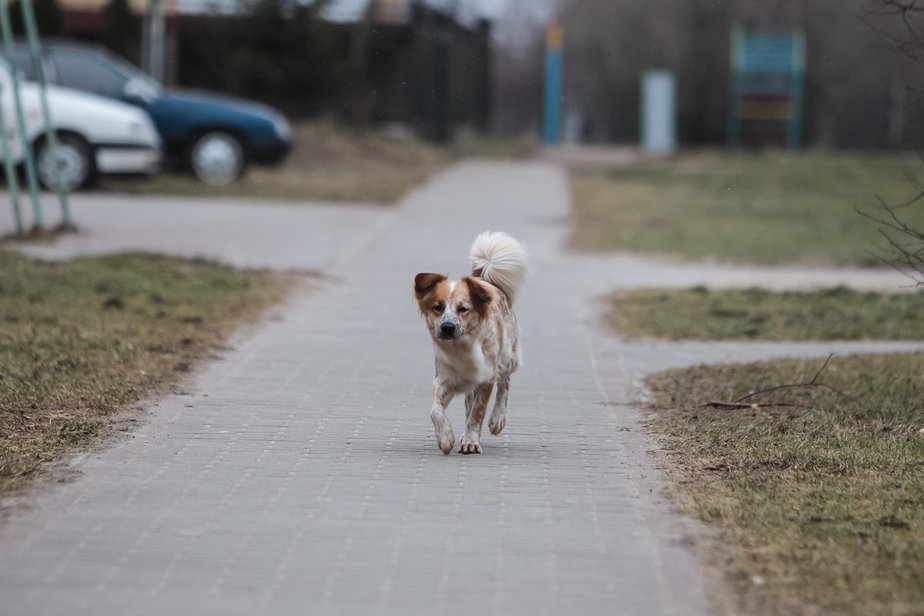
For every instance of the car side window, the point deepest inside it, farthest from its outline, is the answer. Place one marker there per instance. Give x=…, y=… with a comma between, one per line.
x=89, y=74
x=23, y=64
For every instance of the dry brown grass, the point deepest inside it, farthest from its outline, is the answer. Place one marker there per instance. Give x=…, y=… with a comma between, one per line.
x=758, y=314
x=81, y=340
x=332, y=163
x=760, y=208
x=817, y=510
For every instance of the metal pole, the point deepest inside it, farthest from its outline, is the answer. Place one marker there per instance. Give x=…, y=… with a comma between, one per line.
x=11, y=181
x=155, y=40
x=7, y=32
x=796, y=84
x=553, y=84
x=28, y=15
x=736, y=62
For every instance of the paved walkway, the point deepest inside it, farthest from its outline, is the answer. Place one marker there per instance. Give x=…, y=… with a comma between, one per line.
x=299, y=473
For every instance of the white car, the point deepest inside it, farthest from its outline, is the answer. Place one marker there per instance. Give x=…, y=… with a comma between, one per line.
x=96, y=135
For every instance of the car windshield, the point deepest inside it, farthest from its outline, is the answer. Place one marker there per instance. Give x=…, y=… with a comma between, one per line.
x=101, y=73
x=136, y=84
x=104, y=73
x=133, y=73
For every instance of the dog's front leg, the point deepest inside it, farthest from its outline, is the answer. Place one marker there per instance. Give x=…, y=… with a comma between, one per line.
x=445, y=437
x=476, y=403
x=498, y=418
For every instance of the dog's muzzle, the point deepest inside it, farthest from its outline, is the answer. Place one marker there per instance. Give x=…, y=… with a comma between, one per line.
x=448, y=331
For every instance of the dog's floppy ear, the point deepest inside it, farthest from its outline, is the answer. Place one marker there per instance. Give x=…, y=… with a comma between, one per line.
x=480, y=294
x=424, y=283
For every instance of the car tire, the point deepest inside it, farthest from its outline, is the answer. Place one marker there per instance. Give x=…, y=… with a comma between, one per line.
x=75, y=162
x=217, y=158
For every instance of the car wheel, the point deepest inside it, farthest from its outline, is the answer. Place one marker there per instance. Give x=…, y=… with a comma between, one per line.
x=74, y=166
x=217, y=158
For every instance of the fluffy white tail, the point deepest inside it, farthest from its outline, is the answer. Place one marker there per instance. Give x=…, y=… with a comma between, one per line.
x=501, y=260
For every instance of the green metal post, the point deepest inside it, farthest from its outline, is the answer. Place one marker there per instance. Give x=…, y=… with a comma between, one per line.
x=796, y=88
x=28, y=16
x=733, y=120
x=7, y=32
x=12, y=182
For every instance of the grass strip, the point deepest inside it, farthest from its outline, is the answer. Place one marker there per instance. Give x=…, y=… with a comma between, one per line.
x=331, y=163
x=818, y=510
x=762, y=208
x=83, y=339
x=758, y=314
x=327, y=163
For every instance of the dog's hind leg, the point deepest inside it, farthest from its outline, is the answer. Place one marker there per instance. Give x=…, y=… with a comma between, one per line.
x=476, y=403
x=445, y=437
x=498, y=418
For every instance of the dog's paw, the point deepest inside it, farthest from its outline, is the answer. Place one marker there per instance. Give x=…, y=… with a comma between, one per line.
x=469, y=447
x=446, y=439
x=496, y=423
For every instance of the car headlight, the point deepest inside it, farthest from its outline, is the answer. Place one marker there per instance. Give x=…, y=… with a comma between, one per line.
x=143, y=130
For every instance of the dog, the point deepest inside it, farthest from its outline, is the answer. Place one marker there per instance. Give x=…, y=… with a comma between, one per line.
x=475, y=336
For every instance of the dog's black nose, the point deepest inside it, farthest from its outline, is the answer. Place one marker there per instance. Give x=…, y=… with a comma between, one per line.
x=447, y=330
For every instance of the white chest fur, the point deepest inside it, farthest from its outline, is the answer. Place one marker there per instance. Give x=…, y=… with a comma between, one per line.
x=461, y=366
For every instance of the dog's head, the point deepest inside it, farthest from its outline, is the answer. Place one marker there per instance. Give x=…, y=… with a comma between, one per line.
x=452, y=308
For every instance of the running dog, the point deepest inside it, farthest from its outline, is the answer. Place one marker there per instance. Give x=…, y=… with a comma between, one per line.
x=475, y=336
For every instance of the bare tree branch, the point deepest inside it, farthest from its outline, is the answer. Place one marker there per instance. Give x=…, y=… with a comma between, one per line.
x=740, y=403
x=906, y=243
x=899, y=22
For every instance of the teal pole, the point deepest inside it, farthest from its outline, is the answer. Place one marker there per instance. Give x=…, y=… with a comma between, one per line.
x=28, y=16
x=796, y=85
x=733, y=119
x=11, y=181
x=551, y=131
x=553, y=74
x=7, y=32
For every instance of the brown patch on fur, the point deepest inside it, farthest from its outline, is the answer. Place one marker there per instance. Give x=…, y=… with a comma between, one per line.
x=424, y=283
x=430, y=289
x=479, y=294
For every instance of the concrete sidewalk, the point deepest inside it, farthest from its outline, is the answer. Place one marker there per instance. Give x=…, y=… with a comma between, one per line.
x=299, y=473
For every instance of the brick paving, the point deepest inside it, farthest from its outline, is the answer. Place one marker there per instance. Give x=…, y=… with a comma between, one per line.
x=299, y=474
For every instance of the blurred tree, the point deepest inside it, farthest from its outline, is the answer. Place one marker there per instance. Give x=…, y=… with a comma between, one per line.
x=49, y=18
x=905, y=250
x=901, y=24
x=122, y=29
x=518, y=68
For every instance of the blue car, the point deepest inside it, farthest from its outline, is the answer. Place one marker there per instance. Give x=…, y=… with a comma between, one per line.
x=213, y=136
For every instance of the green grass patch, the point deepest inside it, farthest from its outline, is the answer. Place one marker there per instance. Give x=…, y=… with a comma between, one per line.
x=817, y=509
x=762, y=208
x=758, y=314
x=82, y=339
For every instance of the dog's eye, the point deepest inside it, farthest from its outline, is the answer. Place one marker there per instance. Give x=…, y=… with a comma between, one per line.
x=463, y=309
x=438, y=309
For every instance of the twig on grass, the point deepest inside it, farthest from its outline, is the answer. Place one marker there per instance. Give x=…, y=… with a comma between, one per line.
x=718, y=404
x=739, y=403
